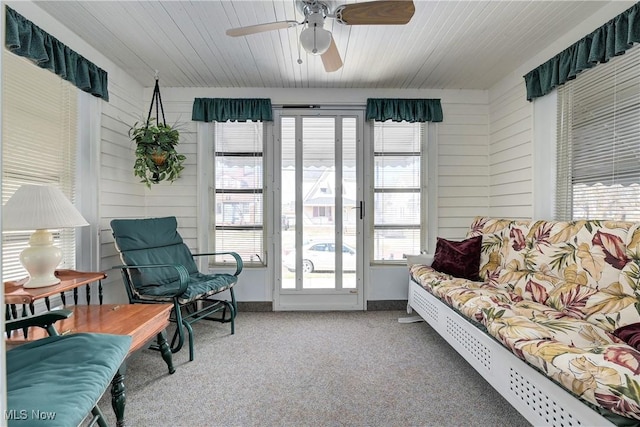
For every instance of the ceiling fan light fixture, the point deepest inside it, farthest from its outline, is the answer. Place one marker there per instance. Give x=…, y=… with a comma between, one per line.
x=315, y=39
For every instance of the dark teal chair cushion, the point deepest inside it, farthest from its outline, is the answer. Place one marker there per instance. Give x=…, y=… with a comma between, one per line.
x=153, y=241
x=206, y=284
x=62, y=375
x=146, y=233
x=199, y=286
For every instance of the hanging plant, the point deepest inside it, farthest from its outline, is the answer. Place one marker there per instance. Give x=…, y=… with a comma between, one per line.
x=156, y=157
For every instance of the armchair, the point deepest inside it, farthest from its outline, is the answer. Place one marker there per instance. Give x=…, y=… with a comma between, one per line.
x=158, y=268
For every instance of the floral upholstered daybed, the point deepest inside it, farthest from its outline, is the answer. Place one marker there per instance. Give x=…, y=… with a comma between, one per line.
x=547, y=312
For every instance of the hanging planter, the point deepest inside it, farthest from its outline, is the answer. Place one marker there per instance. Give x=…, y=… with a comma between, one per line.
x=156, y=157
x=159, y=158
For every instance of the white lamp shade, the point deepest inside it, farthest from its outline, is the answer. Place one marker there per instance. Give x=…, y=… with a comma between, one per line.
x=35, y=207
x=315, y=39
x=40, y=208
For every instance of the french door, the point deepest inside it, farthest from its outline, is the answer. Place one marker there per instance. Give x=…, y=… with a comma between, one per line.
x=319, y=202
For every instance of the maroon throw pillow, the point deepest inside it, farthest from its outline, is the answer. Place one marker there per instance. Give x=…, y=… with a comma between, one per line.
x=629, y=334
x=459, y=259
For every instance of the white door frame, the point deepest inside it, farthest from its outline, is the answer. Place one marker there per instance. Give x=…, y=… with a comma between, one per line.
x=316, y=299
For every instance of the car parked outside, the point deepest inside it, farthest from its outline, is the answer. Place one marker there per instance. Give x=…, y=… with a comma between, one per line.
x=321, y=256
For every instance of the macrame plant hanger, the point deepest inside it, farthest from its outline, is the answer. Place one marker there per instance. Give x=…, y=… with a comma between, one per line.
x=157, y=99
x=157, y=158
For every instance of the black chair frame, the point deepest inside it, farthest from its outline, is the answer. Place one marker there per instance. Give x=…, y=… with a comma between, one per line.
x=185, y=314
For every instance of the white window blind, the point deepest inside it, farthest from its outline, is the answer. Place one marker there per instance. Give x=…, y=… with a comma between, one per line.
x=598, y=173
x=399, y=157
x=238, y=209
x=39, y=126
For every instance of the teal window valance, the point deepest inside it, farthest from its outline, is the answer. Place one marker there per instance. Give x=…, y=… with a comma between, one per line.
x=409, y=110
x=24, y=38
x=613, y=38
x=232, y=109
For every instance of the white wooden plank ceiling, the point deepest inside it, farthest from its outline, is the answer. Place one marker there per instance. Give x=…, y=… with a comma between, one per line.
x=447, y=44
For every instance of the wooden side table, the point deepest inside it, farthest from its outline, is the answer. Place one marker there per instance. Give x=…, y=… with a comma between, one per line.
x=15, y=293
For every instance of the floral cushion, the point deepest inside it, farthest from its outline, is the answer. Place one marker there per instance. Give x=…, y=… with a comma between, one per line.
x=605, y=376
x=563, y=296
x=567, y=330
x=473, y=301
x=432, y=280
x=586, y=269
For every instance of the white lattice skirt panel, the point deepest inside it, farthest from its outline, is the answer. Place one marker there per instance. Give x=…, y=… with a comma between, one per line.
x=537, y=398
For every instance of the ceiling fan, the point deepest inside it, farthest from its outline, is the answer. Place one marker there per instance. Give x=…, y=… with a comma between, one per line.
x=318, y=41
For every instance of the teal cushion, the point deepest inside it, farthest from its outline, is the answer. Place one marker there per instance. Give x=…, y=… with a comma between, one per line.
x=206, y=284
x=199, y=286
x=63, y=376
x=176, y=254
x=152, y=241
x=132, y=234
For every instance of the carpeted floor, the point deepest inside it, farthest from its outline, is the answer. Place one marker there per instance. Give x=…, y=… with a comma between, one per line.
x=312, y=369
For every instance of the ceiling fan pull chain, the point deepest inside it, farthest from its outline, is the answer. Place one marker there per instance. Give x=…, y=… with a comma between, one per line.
x=299, y=61
x=315, y=38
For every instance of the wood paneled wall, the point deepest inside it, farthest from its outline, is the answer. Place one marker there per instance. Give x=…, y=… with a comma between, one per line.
x=179, y=198
x=120, y=194
x=463, y=171
x=511, y=153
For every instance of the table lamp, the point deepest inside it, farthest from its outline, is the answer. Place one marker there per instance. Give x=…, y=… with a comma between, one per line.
x=40, y=208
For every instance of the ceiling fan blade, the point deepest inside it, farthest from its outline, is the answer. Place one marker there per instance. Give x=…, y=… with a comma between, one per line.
x=260, y=28
x=385, y=12
x=331, y=58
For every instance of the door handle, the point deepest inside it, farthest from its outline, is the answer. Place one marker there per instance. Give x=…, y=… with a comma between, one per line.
x=360, y=208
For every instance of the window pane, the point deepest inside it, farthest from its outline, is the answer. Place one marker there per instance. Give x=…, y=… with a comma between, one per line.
x=39, y=119
x=397, y=171
x=599, y=142
x=399, y=137
x=239, y=137
x=391, y=245
x=397, y=194
x=288, y=198
x=238, y=172
x=349, y=200
x=247, y=243
x=614, y=202
x=238, y=208
x=319, y=203
x=397, y=208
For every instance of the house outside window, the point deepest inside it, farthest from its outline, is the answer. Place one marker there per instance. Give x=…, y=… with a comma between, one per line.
x=238, y=202
x=399, y=190
x=321, y=211
x=598, y=142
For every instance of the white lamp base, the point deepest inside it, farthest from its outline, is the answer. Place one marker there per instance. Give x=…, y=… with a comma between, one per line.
x=40, y=259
